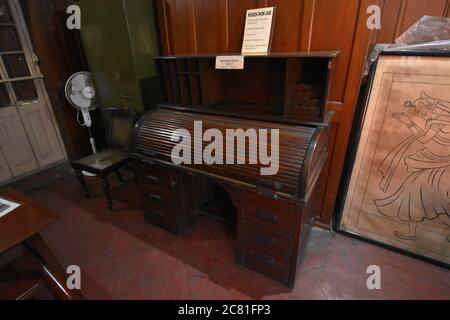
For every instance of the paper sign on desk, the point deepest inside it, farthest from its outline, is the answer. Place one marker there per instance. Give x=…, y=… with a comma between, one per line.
x=7, y=206
x=230, y=62
x=258, y=31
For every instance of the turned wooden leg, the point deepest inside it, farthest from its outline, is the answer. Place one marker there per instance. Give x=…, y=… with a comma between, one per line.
x=82, y=182
x=53, y=273
x=107, y=192
x=119, y=176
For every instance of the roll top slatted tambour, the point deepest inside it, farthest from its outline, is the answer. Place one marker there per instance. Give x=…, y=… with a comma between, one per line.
x=153, y=140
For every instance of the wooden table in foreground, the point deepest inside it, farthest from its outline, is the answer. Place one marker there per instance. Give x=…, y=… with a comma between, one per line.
x=26, y=262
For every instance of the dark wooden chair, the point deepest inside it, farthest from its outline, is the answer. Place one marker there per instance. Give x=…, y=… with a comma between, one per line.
x=120, y=125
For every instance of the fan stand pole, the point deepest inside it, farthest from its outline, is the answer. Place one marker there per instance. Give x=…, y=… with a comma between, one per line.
x=94, y=151
x=92, y=141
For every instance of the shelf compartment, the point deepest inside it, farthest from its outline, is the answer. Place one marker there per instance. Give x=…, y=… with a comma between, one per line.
x=194, y=82
x=293, y=87
x=183, y=80
x=306, y=89
x=304, y=101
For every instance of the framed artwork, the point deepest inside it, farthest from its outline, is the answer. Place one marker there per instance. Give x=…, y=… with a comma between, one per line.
x=396, y=189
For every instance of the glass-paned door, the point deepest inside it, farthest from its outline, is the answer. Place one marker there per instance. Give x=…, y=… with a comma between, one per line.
x=29, y=138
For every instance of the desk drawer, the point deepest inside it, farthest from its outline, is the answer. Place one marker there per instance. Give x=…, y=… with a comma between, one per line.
x=150, y=174
x=160, y=217
x=156, y=194
x=158, y=207
x=278, y=214
x=266, y=241
x=273, y=267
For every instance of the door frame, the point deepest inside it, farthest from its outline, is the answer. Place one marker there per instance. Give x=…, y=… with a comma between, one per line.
x=33, y=65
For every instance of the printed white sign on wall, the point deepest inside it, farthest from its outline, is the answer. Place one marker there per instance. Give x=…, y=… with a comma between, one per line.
x=258, y=31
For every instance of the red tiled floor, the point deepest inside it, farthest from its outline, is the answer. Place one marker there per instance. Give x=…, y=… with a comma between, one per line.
x=123, y=257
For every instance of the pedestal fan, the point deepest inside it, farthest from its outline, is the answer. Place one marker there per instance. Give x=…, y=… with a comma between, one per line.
x=80, y=93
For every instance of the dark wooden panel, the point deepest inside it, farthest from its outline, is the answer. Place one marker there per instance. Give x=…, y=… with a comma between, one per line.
x=331, y=31
x=288, y=24
x=413, y=10
x=399, y=15
x=179, y=25
x=211, y=26
x=164, y=36
x=391, y=11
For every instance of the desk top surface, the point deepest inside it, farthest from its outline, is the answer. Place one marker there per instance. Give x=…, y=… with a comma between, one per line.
x=24, y=222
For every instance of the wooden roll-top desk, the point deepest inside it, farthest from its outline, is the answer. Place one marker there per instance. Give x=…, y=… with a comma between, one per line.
x=273, y=213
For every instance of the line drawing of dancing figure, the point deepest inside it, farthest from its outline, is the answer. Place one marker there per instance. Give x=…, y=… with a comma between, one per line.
x=425, y=193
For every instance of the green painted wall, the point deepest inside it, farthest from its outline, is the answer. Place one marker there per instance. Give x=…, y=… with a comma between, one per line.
x=120, y=41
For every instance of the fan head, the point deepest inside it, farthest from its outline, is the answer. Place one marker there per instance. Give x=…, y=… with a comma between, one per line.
x=80, y=91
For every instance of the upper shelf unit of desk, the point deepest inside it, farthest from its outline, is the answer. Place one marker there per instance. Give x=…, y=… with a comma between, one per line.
x=285, y=86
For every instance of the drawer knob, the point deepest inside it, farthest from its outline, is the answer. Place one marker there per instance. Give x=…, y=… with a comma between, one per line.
x=158, y=213
x=150, y=162
x=154, y=196
x=263, y=215
x=266, y=239
x=152, y=178
x=264, y=259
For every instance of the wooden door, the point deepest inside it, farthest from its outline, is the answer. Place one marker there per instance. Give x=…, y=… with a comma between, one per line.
x=29, y=137
x=5, y=172
x=41, y=132
x=15, y=145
